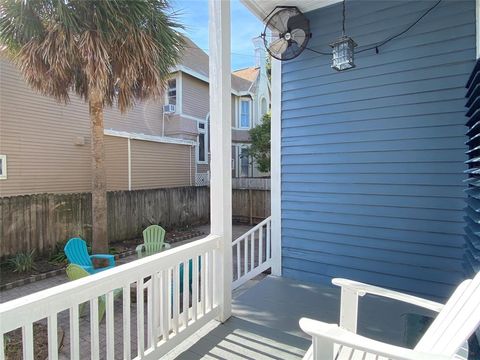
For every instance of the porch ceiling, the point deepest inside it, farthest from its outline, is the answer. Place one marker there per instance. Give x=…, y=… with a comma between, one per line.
x=262, y=8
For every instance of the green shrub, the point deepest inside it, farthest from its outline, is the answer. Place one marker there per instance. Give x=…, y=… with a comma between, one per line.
x=58, y=256
x=23, y=262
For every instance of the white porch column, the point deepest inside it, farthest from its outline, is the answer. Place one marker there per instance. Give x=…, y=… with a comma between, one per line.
x=220, y=145
x=275, y=167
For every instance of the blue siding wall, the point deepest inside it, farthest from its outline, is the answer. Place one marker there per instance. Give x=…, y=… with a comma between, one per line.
x=372, y=158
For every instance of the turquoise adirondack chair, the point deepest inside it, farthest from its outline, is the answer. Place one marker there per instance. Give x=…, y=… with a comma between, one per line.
x=153, y=241
x=75, y=272
x=77, y=253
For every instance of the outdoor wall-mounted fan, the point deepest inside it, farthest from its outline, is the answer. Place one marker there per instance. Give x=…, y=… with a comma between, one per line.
x=286, y=33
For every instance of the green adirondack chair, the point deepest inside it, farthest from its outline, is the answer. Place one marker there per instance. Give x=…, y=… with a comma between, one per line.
x=153, y=241
x=75, y=272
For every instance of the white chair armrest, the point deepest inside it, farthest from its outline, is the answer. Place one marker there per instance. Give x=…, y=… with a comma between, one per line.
x=361, y=289
x=336, y=335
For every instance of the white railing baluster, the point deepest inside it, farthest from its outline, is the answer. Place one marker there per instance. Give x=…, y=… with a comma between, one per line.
x=127, y=352
x=269, y=255
x=176, y=297
x=165, y=308
x=52, y=337
x=186, y=279
x=140, y=319
x=203, y=281
x=74, y=334
x=109, y=318
x=161, y=309
x=156, y=298
x=245, y=255
x=260, y=246
x=195, y=278
x=149, y=288
x=27, y=339
x=252, y=251
x=239, y=264
x=2, y=348
x=210, y=279
x=94, y=332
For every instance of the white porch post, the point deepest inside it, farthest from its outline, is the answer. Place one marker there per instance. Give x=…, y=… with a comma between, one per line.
x=221, y=136
x=275, y=168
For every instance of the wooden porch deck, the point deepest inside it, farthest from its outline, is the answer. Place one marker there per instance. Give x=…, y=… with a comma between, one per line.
x=265, y=318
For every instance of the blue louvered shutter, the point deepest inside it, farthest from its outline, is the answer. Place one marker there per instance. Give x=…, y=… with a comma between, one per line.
x=472, y=218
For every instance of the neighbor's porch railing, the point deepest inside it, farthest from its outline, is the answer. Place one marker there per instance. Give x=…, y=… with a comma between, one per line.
x=252, y=253
x=162, y=314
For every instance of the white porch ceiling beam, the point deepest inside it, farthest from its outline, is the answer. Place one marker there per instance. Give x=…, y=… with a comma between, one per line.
x=262, y=8
x=221, y=138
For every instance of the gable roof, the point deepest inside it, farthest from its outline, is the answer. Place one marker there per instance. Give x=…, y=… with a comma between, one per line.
x=249, y=73
x=195, y=61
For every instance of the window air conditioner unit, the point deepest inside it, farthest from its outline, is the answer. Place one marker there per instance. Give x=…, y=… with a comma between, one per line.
x=168, y=109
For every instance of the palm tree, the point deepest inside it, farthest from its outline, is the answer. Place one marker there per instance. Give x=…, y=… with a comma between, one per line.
x=108, y=52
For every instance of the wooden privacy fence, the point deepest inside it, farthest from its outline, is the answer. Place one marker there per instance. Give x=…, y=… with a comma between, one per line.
x=40, y=221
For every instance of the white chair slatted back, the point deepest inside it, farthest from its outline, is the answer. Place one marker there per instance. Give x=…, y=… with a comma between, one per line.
x=459, y=318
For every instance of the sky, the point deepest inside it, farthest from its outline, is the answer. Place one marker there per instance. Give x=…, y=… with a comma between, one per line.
x=193, y=14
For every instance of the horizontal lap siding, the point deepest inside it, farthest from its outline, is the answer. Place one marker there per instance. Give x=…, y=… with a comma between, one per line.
x=195, y=97
x=157, y=165
x=38, y=136
x=372, y=158
x=116, y=163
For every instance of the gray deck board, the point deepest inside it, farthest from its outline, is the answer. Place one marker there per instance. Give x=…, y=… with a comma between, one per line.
x=265, y=318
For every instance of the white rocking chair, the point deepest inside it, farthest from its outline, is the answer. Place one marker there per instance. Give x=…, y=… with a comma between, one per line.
x=446, y=338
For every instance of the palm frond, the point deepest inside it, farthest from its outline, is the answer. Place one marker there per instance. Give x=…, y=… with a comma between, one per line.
x=121, y=49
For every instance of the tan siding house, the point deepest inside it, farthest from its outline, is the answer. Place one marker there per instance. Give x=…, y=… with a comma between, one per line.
x=47, y=144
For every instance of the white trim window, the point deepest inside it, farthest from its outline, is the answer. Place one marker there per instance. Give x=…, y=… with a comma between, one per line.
x=202, y=139
x=172, y=91
x=245, y=119
x=3, y=167
x=241, y=163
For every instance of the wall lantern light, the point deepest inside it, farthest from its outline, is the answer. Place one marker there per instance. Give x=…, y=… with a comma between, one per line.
x=343, y=53
x=343, y=49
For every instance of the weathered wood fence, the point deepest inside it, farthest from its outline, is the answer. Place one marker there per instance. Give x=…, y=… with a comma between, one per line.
x=40, y=221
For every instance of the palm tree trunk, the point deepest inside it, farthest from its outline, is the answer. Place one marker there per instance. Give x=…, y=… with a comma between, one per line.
x=99, y=179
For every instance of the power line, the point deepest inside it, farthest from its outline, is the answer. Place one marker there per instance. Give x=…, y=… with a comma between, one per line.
x=383, y=42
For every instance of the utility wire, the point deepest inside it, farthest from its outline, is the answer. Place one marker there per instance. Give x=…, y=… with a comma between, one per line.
x=383, y=42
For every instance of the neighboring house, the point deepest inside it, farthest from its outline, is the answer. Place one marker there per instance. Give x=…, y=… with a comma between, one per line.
x=44, y=145
x=188, y=91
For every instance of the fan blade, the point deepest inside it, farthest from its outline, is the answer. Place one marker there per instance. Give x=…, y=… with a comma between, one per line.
x=298, y=35
x=278, y=46
x=278, y=21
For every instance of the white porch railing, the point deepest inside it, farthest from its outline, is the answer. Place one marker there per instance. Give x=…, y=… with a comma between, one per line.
x=162, y=314
x=252, y=253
